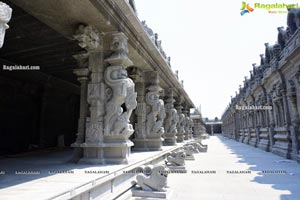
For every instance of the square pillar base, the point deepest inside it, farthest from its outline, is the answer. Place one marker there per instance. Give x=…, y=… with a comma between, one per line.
x=241, y=139
x=246, y=140
x=170, y=141
x=148, y=144
x=264, y=145
x=138, y=193
x=105, y=153
x=253, y=142
x=186, y=137
x=180, y=138
x=282, y=149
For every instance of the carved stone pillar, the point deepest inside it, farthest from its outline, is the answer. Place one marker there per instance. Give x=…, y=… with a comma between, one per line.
x=197, y=122
x=120, y=101
x=253, y=128
x=282, y=145
x=111, y=99
x=151, y=139
x=295, y=120
x=191, y=125
x=180, y=124
x=186, y=125
x=5, y=16
x=82, y=73
x=271, y=120
x=140, y=126
x=171, y=119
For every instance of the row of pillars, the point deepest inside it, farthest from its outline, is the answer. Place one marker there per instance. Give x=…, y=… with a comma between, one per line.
x=108, y=98
x=111, y=92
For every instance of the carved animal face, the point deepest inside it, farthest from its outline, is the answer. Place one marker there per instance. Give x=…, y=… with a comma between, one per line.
x=181, y=155
x=119, y=44
x=119, y=74
x=160, y=174
x=154, y=96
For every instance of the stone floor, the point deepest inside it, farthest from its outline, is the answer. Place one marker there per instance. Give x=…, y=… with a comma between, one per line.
x=50, y=182
x=242, y=172
x=271, y=177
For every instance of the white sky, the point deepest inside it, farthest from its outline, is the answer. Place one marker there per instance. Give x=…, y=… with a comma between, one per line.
x=211, y=44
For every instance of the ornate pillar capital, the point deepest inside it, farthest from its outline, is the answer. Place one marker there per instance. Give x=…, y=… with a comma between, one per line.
x=119, y=47
x=88, y=38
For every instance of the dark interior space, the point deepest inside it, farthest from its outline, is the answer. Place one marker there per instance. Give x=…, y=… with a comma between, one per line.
x=37, y=106
x=217, y=128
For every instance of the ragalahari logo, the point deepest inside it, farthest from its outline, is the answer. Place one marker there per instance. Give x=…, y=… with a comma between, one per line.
x=246, y=8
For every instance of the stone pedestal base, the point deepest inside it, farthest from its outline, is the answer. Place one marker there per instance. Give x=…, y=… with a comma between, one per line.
x=170, y=141
x=177, y=169
x=246, y=140
x=105, y=153
x=282, y=149
x=190, y=157
x=294, y=156
x=282, y=145
x=180, y=138
x=186, y=137
x=138, y=193
x=148, y=144
x=197, y=136
x=253, y=142
x=264, y=145
x=241, y=139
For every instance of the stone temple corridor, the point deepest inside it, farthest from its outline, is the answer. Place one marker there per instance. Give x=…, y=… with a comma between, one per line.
x=91, y=108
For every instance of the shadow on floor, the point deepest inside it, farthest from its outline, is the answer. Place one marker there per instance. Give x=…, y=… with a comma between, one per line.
x=46, y=163
x=281, y=173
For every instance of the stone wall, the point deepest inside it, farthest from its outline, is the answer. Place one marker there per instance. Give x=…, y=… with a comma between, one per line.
x=265, y=111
